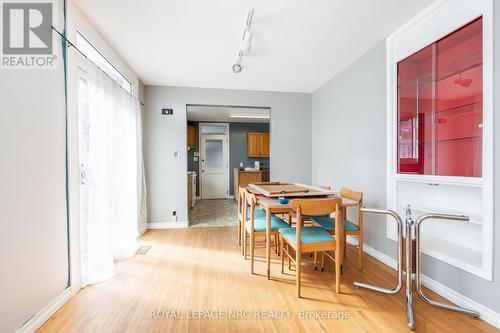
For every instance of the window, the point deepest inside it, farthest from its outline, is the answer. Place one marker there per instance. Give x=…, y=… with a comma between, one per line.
x=94, y=55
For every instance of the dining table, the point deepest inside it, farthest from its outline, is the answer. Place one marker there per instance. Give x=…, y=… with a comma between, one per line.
x=272, y=205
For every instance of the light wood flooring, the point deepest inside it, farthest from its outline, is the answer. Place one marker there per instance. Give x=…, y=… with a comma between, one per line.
x=199, y=269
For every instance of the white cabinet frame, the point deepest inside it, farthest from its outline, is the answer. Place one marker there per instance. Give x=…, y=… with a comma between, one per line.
x=435, y=22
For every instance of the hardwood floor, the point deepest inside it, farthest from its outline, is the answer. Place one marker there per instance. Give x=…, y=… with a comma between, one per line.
x=201, y=269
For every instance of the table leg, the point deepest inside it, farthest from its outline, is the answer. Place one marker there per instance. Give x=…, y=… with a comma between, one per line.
x=268, y=242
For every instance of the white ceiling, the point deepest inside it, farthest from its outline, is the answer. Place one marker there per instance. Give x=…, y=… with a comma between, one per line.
x=222, y=114
x=297, y=45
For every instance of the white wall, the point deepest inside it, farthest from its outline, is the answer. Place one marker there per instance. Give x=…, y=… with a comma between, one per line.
x=163, y=135
x=33, y=240
x=348, y=123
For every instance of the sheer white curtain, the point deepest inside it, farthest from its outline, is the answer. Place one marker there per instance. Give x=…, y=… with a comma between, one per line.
x=115, y=187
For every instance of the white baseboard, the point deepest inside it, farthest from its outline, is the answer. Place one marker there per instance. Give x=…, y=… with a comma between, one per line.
x=167, y=225
x=389, y=261
x=485, y=313
x=41, y=317
x=453, y=296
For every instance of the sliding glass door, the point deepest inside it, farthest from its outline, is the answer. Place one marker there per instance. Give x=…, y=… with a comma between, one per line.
x=110, y=175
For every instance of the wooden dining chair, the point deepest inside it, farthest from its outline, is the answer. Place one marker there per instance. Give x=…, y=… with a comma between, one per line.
x=305, y=218
x=350, y=228
x=255, y=226
x=311, y=239
x=241, y=212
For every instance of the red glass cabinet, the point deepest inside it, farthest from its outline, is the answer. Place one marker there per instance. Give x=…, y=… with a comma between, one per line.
x=440, y=106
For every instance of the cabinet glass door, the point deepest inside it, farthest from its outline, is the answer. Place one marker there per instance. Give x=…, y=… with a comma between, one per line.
x=440, y=92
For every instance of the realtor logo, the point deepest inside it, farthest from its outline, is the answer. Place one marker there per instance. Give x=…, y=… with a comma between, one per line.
x=27, y=39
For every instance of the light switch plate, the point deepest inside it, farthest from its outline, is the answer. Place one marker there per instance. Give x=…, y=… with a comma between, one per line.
x=177, y=153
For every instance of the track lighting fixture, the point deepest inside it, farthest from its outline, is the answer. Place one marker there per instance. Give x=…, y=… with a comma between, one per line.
x=245, y=44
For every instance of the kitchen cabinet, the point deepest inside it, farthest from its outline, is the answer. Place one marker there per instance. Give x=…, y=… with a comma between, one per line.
x=243, y=178
x=191, y=189
x=258, y=144
x=192, y=139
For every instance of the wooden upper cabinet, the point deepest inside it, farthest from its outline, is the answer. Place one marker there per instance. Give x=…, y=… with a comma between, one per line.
x=264, y=144
x=253, y=144
x=192, y=142
x=258, y=144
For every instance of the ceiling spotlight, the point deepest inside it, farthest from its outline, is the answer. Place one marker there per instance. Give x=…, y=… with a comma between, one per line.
x=245, y=43
x=237, y=68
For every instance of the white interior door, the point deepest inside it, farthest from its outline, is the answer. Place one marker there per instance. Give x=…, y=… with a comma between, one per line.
x=214, y=166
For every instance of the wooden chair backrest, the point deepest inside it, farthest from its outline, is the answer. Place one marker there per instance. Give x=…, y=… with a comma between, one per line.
x=252, y=202
x=324, y=206
x=356, y=196
x=241, y=199
x=251, y=199
x=350, y=194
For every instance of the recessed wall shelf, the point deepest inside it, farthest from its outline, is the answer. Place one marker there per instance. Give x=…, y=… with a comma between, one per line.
x=440, y=129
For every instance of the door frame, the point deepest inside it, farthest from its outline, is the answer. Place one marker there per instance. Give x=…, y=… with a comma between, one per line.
x=226, y=125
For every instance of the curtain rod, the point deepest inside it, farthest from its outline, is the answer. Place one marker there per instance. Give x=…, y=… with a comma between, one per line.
x=70, y=44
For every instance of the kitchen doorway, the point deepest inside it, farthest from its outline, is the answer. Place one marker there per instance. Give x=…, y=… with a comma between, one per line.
x=228, y=147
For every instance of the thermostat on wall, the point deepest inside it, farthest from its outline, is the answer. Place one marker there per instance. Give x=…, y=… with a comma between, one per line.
x=167, y=111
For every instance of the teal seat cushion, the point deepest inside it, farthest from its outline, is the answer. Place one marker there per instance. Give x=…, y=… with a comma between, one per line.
x=259, y=224
x=258, y=213
x=308, y=235
x=328, y=223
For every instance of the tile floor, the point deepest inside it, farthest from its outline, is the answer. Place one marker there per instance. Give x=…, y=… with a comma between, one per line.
x=213, y=213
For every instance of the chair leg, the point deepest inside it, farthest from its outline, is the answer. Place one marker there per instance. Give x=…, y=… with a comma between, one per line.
x=360, y=251
x=289, y=260
x=345, y=245
x=337, y=270
x=298, y=261
x=315, y=260
x=239, y=232
x=244, y=250
x=323, y=261
x=252, y=250
x=282, y=255
x=276, y=246
x=242, y=230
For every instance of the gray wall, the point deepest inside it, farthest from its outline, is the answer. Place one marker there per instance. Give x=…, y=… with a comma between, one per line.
x=163, y=135
x=349, y=137
x=237, y=150
x=349, y=122
x=33, y=241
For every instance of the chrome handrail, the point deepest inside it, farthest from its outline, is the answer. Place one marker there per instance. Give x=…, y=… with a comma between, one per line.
x=400, y=253
x=418, y=280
